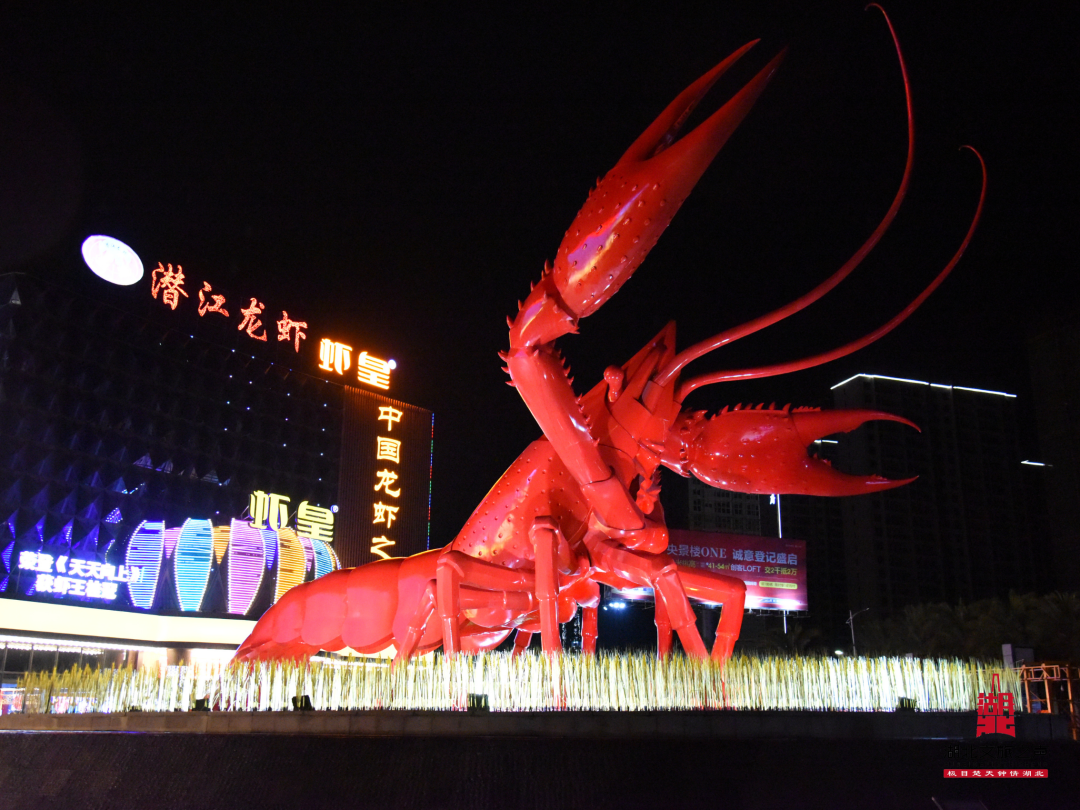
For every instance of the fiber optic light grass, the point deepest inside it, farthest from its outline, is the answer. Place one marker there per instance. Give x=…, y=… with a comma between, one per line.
x=530, y=682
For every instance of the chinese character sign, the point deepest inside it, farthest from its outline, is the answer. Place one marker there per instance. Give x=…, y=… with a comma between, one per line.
x=334, y=356
x=64, y=575
x=373, y=371
x=315, y=521
x=215, y=304
x=387, y=450
x=385, y=488
x=996, y=711
x=268, y=510
x=251, y=323
x=288, y=329
x=169, y=282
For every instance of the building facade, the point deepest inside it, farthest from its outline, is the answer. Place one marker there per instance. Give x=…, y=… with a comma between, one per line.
x=964, y=530
x=213, y=468
x=1054, y=356
x=961, y=531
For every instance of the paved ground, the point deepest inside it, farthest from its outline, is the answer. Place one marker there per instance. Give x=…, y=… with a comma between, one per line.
x=156, y=772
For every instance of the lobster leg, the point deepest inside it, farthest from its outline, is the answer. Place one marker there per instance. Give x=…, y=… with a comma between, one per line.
x=456, y=570
x=657, y=571
x=425, y=609
x=521, y=641
x=589, y=630
x=663, y=630
x=545, y=538
x=728, y=591
x=463, y=582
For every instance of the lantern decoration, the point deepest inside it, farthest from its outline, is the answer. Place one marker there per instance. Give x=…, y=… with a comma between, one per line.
x=324, y=559
x=192, y=560
x=221, y=542
x=145, y=550
x=309, y=552
x=172, y=537
x=246, y=556
x=270, y=544
x=291, y=562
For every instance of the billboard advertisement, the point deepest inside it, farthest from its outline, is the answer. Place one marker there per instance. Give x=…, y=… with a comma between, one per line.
x=773, y=568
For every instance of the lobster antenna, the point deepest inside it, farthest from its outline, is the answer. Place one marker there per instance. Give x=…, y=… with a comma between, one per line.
x=817, y=360
x=687, y=356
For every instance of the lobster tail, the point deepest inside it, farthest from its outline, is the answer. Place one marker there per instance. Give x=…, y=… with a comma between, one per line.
x=354, y=608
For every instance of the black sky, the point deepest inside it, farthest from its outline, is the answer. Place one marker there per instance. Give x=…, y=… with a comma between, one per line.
x=399, y=176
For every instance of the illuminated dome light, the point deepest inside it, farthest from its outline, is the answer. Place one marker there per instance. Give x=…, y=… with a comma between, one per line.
x=112, y=260
x=192, y=560
x=324, y=559
x=291, y=563
x=245, y=566
x=145, y=550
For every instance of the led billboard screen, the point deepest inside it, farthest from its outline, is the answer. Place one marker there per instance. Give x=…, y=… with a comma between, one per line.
x=774, y=569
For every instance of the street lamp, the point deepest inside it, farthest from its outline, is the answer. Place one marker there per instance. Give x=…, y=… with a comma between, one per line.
x=851, y=623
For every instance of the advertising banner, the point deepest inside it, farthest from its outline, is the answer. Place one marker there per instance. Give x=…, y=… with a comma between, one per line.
x=773, y=569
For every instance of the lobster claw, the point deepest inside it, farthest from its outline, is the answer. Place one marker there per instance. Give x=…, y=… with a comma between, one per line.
x=629, y=209
x=764, y=452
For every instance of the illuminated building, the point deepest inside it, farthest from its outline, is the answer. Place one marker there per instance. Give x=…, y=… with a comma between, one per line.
x=958, y=533
x=963, y=531
x=717, y=510
x=181, y=431
x=1054, y=359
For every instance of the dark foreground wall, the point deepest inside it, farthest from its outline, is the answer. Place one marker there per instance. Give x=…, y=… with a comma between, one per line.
x=113, y=770
x=742, y=725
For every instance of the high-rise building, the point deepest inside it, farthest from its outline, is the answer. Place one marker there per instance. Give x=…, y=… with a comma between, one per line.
x=961, y=531
x=717, y=510
x=1055, y=378
x=964, y=530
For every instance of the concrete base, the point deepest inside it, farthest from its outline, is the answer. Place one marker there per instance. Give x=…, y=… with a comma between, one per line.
x=62, y=771
x=622, y=725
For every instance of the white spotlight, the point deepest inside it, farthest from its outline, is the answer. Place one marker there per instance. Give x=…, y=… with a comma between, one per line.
x=112, y=260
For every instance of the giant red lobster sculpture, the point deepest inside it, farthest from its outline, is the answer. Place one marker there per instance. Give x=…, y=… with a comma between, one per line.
x=579, y=507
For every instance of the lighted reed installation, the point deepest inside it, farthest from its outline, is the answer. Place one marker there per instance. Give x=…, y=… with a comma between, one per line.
x=530, y=682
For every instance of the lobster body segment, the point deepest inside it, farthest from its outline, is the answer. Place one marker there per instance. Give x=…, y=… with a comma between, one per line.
x=580, y=506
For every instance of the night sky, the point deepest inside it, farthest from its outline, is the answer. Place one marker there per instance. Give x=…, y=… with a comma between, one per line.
x=397, y=177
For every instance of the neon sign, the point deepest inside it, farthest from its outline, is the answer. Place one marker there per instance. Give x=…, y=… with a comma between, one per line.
x=71, y=576
x=217, y=306
x=316, y=522
x=373, y=371
x=268, y=510
x=334, y=356
x=287, y=325
x=170, y=282
x=386, y=449
x=251, y=323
